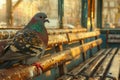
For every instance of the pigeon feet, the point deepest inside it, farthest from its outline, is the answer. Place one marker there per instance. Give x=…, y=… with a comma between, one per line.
x=38, y=67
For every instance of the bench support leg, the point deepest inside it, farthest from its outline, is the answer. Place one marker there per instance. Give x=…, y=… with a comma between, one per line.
x=62, y=66
x=84, y=53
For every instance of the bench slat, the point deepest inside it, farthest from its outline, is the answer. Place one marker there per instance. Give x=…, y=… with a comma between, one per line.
x=100, y=73
x=64, y=38
x=10, y=32
x=80, y=36
x=80, y=67
x=113, y=40
x=57, y=39
x=62, y=31
x=89, y=70
x=114, y=68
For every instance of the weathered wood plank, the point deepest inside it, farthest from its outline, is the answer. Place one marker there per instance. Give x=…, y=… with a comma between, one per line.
x=11, y=31
x=114, y=36
x=62, y=31
x=80, y=67
x=90, y=69
x=101, y=71
x=57, y=39
x=115, y=67
x=80, y=36
x=113, y=40
x=64, y=38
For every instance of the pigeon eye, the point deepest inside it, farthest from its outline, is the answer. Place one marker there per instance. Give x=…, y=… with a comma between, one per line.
x=40, y=16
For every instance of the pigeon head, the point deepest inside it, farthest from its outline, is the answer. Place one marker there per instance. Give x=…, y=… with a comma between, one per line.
x=42, y=17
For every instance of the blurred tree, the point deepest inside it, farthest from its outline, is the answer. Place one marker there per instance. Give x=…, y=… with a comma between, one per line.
x=9, y=11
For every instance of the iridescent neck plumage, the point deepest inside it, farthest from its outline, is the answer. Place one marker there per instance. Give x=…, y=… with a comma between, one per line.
x=35, y=24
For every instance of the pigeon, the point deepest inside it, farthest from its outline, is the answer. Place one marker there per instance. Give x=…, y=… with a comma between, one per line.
x=28, y=43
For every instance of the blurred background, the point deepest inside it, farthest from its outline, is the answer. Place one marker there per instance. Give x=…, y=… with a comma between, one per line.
x=17, y=13
x=23, y=10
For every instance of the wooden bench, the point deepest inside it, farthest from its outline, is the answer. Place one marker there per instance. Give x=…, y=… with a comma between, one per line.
x=101, y=66
x=112, y=36
x=88, y=69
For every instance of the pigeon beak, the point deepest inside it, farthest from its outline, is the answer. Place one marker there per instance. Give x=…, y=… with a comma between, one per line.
x=46, y=20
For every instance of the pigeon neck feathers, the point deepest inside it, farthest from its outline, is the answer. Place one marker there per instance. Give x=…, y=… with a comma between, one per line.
x=38, y=27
